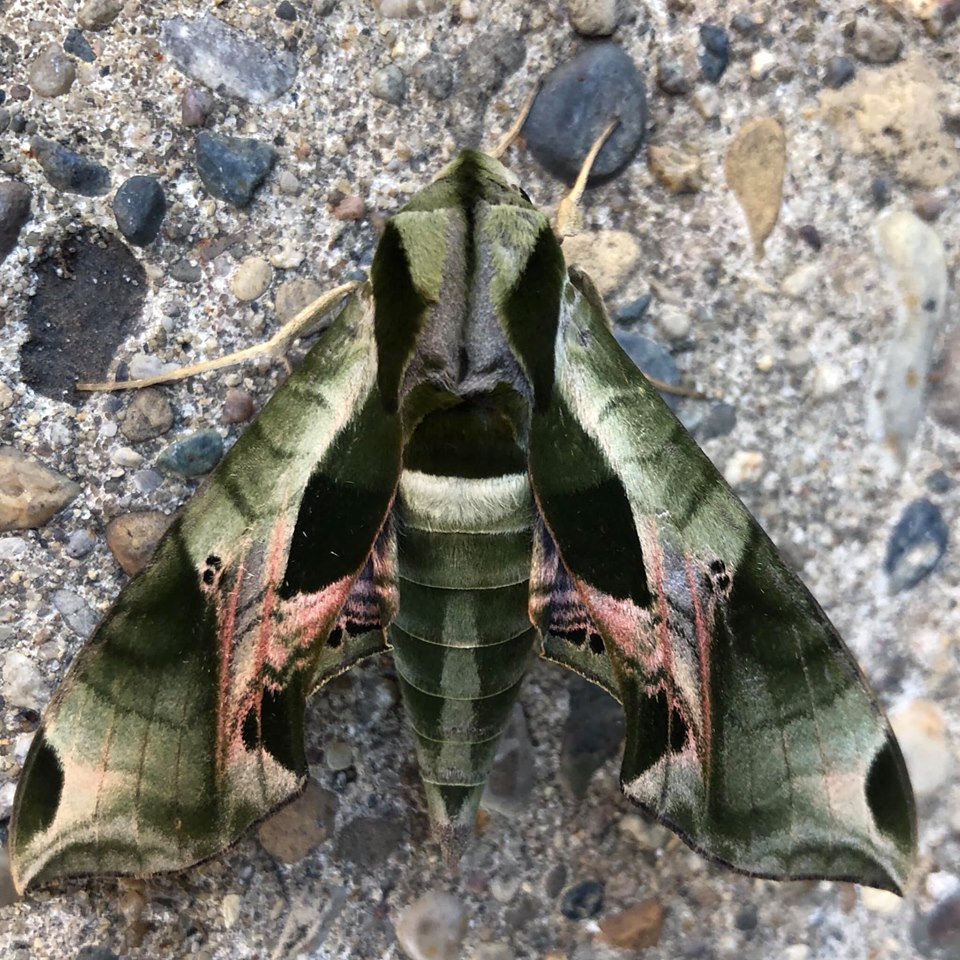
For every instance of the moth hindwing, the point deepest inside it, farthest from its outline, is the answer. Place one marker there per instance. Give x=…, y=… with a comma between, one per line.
x=468, y=471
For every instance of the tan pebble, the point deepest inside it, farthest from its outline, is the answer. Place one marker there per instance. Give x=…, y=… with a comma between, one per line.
x=593, y=18
x=230, y=908
x=99, y=14
x=294, y=295
x=251, y=278
x=609, y=257
x=881, y=901
x=762, y=64
x=133, y=537
x=745, y=466
x=301, y=826
x=765, y=363
x=53, y=73
x=6, y=396
x=755, y=165
x=635, y=928
x=432, y=927
x=238, y=406
x=30, y=493
x=921, y=732
x=350, y=208
x=679, y=169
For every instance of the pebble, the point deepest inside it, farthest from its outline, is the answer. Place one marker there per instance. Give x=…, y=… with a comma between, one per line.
x=744, y=24
x=367, y=841
x=754, y=165
x=716, y=51
x=133, y=538
x=148, y=416
x=928, y=206
x=194, y=455
x=337, y=754
x=679, y=169
x=139, y=207
x=608, y=257
x=880, y=191
x=674, y=321
x=880, y=901
x=593, y=18
x=917, y=543
x=576, y=101
x=286, y=11
x=196, y=104
x=6, y=396
x=53, y=73
x=296, y=295
x=875, y=42
x=916, y=266
x=720, y=421
x=230, y=909
x=745, y=466
x=432, y=927
x=921, y=730
x=222, y=58
x=583, y=901
x=653, y=359
x=23, y=683
x=633, y=312
x=76, y=613
x=490, y=57
x=350, y=208
x=761, y=64
x=945, y=389
x=68, y=170
x=75, y=43
x=99, y=14
x=672, y=78
x=839, y=71
x=810, y=235
x=799, y=283
x=436, y=75
x=706, y=101
x=299, y=827
x=635, y=928
x=184, y=271
x=288, y=184
x=14, y=213
x=389, y=84
x=251, y=279
x=510, y=783
x=592, y=734
x=936, y=933
x=238, y=406
x=146, y=482
x=30, y=493
x=79, y=544
x=938, y=482
x=828, y=379
x=231, y=168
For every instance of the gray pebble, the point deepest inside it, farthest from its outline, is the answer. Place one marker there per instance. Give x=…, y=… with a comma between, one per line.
x=195, y=106
x=744, y=24
x=231, y=168
x=916, y=545
x=76, y=43
x=23, y=683
x=938, y=482
x=839, y=71
x=146, y=481
x=436, y=75
x=490, y=59
x=52, y=74
x=583, y=901
x=77, y=615
x=672, y=78
x=139, y=206
x=368, y=841
x=389, y=84
x=716, y=52
x=936, y=933
x=68, y=170
x=577, y=100
x=183, y=271
x=4, y=119
x=99, y=14
x=148, y=416
x=653, y=359
x=875, y=42
x=79, y=544
x=880, y=192
x=14, y=213
x=633, y=312
x=194, y=455
x=720, y=421
x=222, y=58
x=286, y=11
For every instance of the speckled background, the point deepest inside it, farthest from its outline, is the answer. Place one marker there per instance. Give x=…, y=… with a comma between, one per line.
x=796, y=369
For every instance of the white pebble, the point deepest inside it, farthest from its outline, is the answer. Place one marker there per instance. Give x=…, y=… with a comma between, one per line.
x=432, y=927
x=230, y=909
x=881, y=901
x=23, y=683
x=921, y=731
x=762, y=64
x=251, y=279
x=745, y=466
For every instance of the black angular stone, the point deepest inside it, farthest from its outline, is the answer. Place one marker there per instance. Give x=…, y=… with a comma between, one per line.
x=69, y=171
x=139, y=207
x=232, y=168
x=14, y=213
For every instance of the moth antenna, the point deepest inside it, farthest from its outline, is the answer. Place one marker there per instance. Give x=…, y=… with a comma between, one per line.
x=568, y=213
x=276, y=346
x=507, y=139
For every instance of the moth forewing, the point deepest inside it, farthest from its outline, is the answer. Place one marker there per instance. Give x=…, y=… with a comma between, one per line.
x=468, y=463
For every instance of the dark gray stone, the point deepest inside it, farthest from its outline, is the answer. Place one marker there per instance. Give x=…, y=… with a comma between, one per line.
x=672, y=78
x=489, y=60
x=719, y=422
x=194, y=455
x=839, y=71
x=578, y=99
x=14, y=213
x=368, y=841
x=76, y=43
x=232, y=168
x=633, y=312
x=583, y=901
x=716, y=51
x=389, y=85
x=139, y=206
x=653, y=359
x=916, y=545
x=69, y=171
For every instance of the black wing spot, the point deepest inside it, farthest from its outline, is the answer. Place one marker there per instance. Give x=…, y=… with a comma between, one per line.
x=678, y=731
x=214, y=561
x=596, y=643
x=42, y=792
x=717, y=566
x=208, y=577
x=335, y=638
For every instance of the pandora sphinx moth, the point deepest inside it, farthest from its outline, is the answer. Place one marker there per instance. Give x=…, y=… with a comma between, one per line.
x=467, y=471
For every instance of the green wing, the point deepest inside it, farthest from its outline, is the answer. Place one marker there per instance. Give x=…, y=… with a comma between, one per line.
x=750, y=730
x=180, y=722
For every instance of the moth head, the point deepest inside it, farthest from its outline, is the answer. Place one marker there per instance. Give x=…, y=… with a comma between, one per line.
x=481, y=166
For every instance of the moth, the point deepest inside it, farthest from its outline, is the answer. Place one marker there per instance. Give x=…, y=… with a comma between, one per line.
x=468, y=472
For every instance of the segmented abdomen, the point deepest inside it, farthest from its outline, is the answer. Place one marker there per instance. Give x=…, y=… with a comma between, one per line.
x=462, y=638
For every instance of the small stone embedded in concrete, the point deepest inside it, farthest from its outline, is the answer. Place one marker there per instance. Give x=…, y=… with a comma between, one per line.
x=761, y=64
x=68, y=170
x=583, y=901
x=679, y=169
x=490, y=57
x=401, y=9
x=839, y=71
x=653, y=359
x=350, y=208
x=916, y=545
x=432, y=927
x=389, y=84
x=592, y=733
x=133, y=538
x=251, y=279
x=633, y=312
x=196, y=105
x=755, y=165
x=225, y=59
x=810, y=235
x=434, y=72
x=945, y=389
x=577, y=101
x=238, y=406
x=286, y=11
x=744, y=24
x=14, y=213
x=30, y=493
x=720, y=421
x=608, y=257
x=368, y=841
x=149, y=415
x=672, y=78
x=875, y=42
x=230, y=909
x=139, y=207
x=231, y=168
x=98, y=14
x=52, y=73
x=79, y=544
x=635, y=928
x=194, y=455
x=76, y=613
x=298, y=828
x=23, y=683
x=716, y=51
x=76, y=43
x=593, y=18
x=743, y=467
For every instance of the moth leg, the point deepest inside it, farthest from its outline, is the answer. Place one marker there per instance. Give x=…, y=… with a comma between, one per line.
x=275, y=347
x=503, y=144
x=568, y=213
